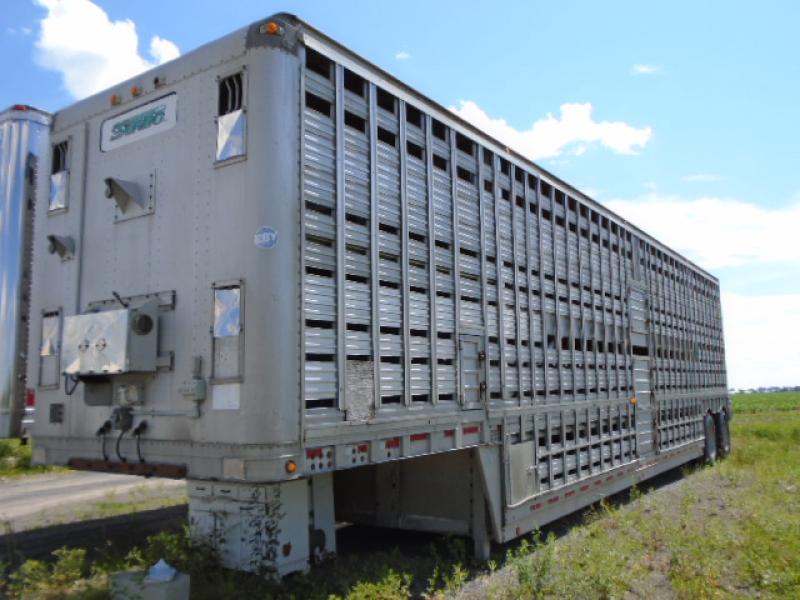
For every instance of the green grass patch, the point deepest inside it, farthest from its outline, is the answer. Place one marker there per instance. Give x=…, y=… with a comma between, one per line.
x=15, y=460
x=772, y=402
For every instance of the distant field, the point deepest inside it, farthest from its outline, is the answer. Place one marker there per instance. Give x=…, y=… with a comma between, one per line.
x=756, y=403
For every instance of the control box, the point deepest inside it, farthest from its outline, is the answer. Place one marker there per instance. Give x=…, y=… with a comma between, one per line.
x=111, y=342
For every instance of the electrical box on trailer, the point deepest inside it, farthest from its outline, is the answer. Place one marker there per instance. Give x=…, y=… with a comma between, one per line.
x=111, y=342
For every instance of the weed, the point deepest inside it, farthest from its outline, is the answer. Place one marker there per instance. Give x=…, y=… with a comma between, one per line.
x=16, y=457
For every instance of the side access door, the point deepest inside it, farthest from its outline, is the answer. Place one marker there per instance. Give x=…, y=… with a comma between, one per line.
x=472, y=365
x=642, y=386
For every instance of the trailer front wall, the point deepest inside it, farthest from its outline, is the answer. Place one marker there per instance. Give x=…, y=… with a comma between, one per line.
x=186, y=247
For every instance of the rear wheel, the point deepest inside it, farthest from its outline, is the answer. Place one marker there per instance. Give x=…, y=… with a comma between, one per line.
x=710, y=431
x=723, y=434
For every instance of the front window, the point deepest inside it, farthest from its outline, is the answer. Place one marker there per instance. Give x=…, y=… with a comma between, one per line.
x=59, y=177
x=231, y=118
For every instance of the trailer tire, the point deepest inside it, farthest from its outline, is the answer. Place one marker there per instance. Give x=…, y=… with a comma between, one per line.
x=710, y=431
x=723, y=433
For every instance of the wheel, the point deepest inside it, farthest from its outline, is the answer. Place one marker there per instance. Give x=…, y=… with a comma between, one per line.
x=723, y=433
x=710, y=431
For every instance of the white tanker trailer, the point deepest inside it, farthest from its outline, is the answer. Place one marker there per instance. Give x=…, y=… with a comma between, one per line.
x=24, y=133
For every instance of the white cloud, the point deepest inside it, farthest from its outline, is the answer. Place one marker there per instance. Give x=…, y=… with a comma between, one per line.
x=717, y=232
x=163, y=50
x=645, y=69
x=742, y=238
x=90, y=51
x=21, y=30
x=701, y=178
x=402, y=55
x=572, y=132
x=760, y=339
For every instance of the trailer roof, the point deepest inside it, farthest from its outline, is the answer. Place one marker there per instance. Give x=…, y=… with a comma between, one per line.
x=23, y=112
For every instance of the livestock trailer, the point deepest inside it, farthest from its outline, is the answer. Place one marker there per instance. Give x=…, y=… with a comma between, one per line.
x=23, y=142
x=320, y=296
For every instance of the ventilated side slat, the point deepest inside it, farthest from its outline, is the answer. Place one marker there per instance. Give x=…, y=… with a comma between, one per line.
x=419, y=310
x=320, y=341
x=442, y=206
x=416, y=196
x=358, y=308
x=388, y=175
x=319, y=159
x=389, y=303
x=420, y=378
x=320, y=380
x=471, y=314
x=320, y=298
x=358, y=343
x=445, y=314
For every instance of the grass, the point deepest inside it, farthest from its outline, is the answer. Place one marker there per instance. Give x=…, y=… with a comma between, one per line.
x=15, y=460
x=731, y=531
x=773, y=402
x=728, y=531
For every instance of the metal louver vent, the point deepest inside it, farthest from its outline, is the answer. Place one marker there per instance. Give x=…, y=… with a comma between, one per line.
x=60, y=157
x=230, y=94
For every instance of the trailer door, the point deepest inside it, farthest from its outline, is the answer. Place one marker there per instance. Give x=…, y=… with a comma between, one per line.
x=642, y=389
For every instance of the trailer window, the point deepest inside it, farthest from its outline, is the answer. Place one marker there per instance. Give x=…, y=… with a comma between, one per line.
x=227, y=333
x=50, y=349
x=59, y=176
x=227, y=311
x=231, y=117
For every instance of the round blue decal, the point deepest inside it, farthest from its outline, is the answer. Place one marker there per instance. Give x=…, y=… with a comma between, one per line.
x=266, y=237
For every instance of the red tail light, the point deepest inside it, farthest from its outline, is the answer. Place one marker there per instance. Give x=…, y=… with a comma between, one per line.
x=30, y=398
x=20, y=107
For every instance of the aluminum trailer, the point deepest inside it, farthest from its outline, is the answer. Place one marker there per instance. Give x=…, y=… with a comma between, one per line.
x=23, y=140
x=318, y=295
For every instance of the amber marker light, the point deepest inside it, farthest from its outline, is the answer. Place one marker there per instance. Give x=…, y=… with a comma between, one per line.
x=136, y=90
x=291, y=466
x=272, y=28
x=115, y=99
x=634, y=400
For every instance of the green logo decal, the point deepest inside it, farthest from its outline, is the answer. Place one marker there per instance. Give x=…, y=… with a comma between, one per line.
x=140, y=122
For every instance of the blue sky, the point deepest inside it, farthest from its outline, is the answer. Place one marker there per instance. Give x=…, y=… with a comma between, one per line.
x=682, y=116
